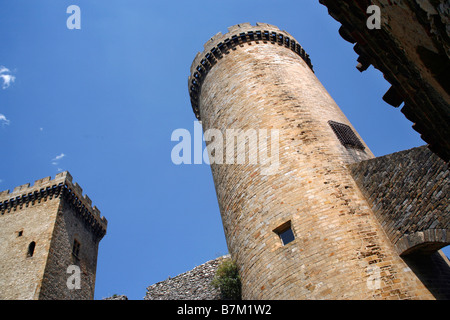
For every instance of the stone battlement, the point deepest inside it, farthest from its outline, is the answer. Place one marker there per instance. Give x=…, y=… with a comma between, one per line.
x=221, y=44
x=45, y=188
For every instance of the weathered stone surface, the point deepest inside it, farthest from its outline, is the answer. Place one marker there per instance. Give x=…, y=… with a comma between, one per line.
x=191, y=285
x=51, y=214
x=339, y=245
x=412, y=50
x=409, y=192
x=117, y=297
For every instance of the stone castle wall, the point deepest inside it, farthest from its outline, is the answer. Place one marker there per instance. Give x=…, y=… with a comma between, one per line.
x=70, y=227
x=191, y=285
x=51, y=214
x=409, y=192
x=412, y=50
x=263, y=84
x=21, y=274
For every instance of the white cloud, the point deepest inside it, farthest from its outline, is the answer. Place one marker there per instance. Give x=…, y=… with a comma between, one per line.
x=3, y=119
x=55, y=161
x=62, y=155
x=6, y=76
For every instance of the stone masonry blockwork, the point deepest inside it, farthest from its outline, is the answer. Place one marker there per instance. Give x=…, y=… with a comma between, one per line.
x=339, y=244
x=412, y=50
x=51, y=214
x=191, y=285
x=409, y=193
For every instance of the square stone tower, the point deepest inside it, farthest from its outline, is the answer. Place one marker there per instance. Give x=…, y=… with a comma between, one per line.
x=49, y=237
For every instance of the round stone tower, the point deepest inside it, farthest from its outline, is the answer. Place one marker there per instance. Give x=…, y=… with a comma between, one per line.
x=294, y=219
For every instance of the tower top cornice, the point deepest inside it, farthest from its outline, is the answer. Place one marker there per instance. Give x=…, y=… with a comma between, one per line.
x=61, y=186
x=222, y=44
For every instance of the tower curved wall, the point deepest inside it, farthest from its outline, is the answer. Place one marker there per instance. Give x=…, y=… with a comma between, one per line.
x=247, y=81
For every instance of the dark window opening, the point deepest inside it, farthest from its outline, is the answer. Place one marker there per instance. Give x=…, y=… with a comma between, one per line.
x=31, y=247
x=76, y=248
x=285, y=233
x=346, y=135
x=20, y=233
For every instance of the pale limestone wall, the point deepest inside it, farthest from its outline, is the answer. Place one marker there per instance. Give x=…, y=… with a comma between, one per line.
x=52, y=213
x=20, y=275
x=68, y=228
x=409, y=193
x=263, y=85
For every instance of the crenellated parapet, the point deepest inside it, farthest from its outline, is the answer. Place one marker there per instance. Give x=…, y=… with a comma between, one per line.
x=222, y=44
x=47, y=189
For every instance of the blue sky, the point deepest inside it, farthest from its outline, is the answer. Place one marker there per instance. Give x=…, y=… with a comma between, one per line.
x=103, y=101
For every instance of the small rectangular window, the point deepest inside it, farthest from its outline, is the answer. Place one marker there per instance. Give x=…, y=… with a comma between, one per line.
x=31, y=247
x=285, y=233
x=346, y=135
x=76, y=248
